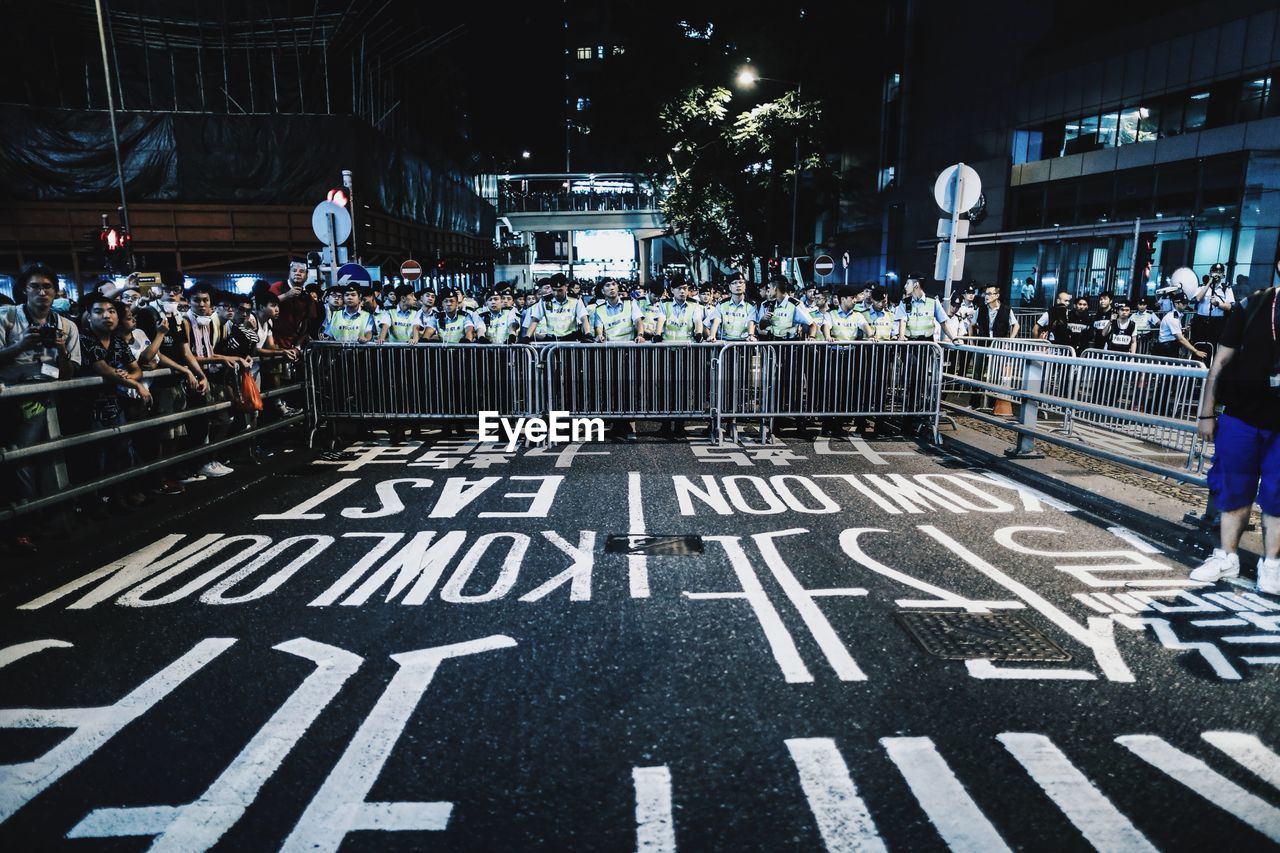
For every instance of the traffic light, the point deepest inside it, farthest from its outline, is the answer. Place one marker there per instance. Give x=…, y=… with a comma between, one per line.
x=115, y=243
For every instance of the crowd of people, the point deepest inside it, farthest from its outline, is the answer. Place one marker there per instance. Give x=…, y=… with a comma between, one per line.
x=160, y=353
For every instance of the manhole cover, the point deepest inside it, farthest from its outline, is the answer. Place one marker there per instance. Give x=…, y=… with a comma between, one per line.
x=964, y=636
x=654, y=546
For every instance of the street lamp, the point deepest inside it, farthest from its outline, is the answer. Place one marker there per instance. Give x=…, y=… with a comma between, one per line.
x=747, y=78
x=525, y=155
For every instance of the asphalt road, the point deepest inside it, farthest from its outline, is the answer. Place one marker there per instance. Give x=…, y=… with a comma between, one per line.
x=433, y=647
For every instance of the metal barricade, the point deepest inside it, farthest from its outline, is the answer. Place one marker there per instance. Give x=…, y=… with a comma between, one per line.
x=1000, y=362
x=808, y=379
x=670, y=381
x=1093, y=388
x=1176, y=397
x=1027, y=320
x=420, y=381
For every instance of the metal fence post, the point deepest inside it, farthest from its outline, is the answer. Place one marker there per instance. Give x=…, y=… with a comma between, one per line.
x=1028, y=411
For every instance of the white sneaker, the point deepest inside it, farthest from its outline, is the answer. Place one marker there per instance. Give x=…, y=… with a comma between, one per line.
x=1269, y=576
x=1219, y=565
x=214, y=469
x=194, y=478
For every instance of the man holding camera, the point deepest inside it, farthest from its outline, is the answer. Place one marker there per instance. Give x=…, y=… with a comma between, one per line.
x=1245, y=377
x=1214, y=301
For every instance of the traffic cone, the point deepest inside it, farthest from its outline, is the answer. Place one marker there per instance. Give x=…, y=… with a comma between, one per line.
x=1002, y=409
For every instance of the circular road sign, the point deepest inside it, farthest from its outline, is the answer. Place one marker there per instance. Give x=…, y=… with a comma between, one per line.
x=354, y=274
x=341, y=222
x=823, y=265
x=944, y=189
x=411, y=270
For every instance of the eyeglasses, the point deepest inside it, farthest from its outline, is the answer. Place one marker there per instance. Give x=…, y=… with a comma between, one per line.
x=41, y=285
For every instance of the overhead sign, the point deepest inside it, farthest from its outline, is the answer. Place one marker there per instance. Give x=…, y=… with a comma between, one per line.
x=944, y=189
x=341, y=222
x=354, y=274
x=823, y=265
x=411, y=270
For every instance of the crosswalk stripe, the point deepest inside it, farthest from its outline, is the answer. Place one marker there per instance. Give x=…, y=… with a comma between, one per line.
x=1206, y=782
x=947, y=804
x=1083, y=804
x=1250, y=752
x=842, y=816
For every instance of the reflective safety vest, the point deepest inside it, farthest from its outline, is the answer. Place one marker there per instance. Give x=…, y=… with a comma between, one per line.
x=453, y=329
x=348, y=329
x=820, y=319
x=920, y=319
x=616, y=321
x=558, y=318
x=650, y=311
x=497, y=325
x=734, y=318
x=847, y=327
x=881, y=324
x=782, y=325
x=401, y=325
x=681, y=320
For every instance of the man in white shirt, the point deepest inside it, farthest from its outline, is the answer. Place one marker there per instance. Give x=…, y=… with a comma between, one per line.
x=1213, y=301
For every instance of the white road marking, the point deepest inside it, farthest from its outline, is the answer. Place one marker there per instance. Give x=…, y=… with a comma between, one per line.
x=1206, y=782
x=637, y=564
x=199, y=825
x=302, y=512
x=15, y=653
x=92, y=727
x=984, y=668
x=1084, y=805
x=826, y=637
x=947, y=804
x=1249, y=752
x=655, y=827
x=339, y=807
x=780, y=642
x=842, y=816
x=1133, y=539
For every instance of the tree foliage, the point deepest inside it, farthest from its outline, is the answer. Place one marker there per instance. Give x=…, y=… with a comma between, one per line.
x=727, y=181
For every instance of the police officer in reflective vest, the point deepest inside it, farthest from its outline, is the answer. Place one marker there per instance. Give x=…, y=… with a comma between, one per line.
x=652, y=314
x=737, y=315
x=783, y=318
x=500, y=323
x=919, y=316
x=615, y=320
x=452, y=324
x=398, y=325
x=351, y=324
x=558, y=317
x=879, y=318
x=682, y=319
x=846, y=322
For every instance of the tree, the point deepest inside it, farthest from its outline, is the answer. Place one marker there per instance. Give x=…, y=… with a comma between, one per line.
x=726, y=185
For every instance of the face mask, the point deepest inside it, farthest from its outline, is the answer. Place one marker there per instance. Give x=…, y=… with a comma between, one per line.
x=62, y=305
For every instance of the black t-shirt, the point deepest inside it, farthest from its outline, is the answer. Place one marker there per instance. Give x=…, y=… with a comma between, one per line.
x=1244, y=384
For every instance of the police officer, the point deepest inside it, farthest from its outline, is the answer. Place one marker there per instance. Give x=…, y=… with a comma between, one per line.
x=736, y=314
x=1147, y=322
x=879, y=318
x=615, y=320
x=501, y=325
x=918, y=316
x=1213, y=302
x=782, y=317
x=1079, y=325
x=351, y=323
x=1103, y=319
x=558, y=317
x=451, y=324
x=682, y=319
x=652, y=312
x=1122, y=333
x=820, y=311
x=399, y=325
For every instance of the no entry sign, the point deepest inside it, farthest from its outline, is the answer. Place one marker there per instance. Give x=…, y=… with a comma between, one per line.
x=823, y=265
x=411, y=270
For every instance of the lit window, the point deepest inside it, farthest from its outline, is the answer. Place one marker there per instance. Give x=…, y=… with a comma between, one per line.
x=599, y=51
x=886, y=177
x=584, y=53
x=619, y=49
x=892, y=86
x=1254, y=95
x=583, y=103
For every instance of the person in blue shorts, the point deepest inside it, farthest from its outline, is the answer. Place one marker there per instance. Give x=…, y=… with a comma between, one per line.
x=1245, y=378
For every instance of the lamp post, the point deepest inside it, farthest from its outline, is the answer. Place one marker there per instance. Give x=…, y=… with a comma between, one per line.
x=747, y=78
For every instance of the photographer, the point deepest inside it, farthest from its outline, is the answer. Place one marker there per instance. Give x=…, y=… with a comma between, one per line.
x=1245, y=377
x=1214, y=301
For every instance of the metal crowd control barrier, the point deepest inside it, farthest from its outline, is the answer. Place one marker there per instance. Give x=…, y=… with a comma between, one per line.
x=419, y=382
x=1176, y=397
x=1027, y=318
x=56, y=444
x=624, y=380
x=1000, y=362
x=1107, y=375
x=831, y=380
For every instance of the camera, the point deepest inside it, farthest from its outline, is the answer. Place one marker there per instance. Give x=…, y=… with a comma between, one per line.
x=48, y=336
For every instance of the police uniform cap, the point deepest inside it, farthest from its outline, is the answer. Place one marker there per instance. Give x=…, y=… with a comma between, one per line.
x=878, y=293
x=847, y=290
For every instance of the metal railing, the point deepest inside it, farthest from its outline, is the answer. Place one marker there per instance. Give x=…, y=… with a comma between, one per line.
x=51, y=451
x=666, y=381
x=1095, y=392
